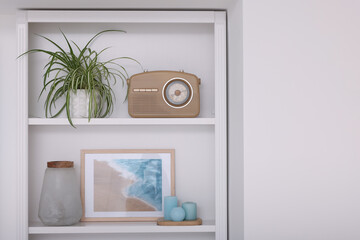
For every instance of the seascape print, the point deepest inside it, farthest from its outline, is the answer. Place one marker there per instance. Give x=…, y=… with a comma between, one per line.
x=127, y=185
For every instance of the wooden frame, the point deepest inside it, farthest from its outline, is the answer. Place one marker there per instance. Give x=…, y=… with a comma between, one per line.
x=112, y=173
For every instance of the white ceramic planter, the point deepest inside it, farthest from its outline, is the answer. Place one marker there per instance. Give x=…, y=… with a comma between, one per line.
x=79, y=104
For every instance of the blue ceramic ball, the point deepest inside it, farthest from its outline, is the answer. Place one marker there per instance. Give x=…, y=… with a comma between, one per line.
x=177, y=214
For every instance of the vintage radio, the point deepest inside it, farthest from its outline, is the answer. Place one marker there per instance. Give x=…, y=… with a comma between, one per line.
x=163, y=94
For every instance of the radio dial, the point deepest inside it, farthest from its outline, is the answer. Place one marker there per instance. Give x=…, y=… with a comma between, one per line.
x=177, y=93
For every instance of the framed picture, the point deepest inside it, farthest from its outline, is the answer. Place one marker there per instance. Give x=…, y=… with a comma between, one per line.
x=126, y=185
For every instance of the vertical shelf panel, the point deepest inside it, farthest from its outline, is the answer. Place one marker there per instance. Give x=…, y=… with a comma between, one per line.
x=22, y=134
x=220, y=126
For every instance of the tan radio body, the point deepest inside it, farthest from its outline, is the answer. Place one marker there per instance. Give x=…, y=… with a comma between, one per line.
x=164, y=94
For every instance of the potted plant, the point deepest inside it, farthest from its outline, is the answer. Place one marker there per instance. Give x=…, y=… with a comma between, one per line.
x=81, y=78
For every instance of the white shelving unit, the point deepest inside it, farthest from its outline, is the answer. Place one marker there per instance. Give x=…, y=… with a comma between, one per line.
x=191, y=40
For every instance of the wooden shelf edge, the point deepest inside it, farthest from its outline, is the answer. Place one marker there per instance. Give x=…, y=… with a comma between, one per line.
x=119, y=227
x=120, y=121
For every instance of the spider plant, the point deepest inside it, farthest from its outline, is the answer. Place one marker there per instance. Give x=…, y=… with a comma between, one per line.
x=80, y=68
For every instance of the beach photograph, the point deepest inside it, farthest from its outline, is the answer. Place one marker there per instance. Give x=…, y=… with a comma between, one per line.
x=127, y=185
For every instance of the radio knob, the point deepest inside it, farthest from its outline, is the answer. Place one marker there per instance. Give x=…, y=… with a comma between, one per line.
x=177, y=93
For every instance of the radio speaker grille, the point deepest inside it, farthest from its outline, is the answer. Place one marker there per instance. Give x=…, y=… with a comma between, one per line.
x=146, y=104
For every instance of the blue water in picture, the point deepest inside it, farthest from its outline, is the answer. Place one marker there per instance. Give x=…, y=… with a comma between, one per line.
x=148, y=179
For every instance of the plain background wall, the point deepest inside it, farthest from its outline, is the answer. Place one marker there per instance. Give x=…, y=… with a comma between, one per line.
x=8, y=103
x=301, y=119
x=8, y=100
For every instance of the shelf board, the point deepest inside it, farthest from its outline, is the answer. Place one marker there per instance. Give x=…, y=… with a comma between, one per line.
x=121, y=16
x=119, y=227
x=122, y=121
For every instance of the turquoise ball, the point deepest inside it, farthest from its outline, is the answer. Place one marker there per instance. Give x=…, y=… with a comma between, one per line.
x=177, y=214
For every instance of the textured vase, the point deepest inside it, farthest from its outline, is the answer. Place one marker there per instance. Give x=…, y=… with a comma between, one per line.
x=60, y=201
x=79, y=103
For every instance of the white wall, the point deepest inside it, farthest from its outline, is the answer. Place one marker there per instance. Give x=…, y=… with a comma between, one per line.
x=7, y=127
x=302, y=119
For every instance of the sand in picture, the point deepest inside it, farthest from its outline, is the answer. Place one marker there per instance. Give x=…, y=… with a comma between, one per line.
x=109, y=188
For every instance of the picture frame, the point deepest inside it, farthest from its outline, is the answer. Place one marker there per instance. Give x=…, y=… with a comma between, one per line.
x=126, y=184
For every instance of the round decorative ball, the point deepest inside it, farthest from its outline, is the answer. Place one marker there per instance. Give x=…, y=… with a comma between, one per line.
x=177, y=214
